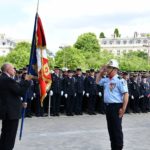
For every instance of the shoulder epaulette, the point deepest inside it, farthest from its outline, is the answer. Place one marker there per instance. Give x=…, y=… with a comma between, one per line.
x=119, y=77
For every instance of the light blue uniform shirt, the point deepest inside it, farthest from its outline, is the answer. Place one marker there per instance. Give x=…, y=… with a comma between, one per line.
x=114, y=89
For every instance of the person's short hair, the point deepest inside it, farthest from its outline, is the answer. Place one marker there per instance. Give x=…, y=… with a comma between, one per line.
x=4, y=67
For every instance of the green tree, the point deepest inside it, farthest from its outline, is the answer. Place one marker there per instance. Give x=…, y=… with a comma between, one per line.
x=97, y=59
x=2, y=60
x=19, y=56
x=102, y=35
x=87, y=42
x=116, y=33
x=133, y=61
x=70, y=57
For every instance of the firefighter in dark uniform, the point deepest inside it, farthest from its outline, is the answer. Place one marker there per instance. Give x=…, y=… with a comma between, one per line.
x=144, y=94
x=69, y=92
x=91, y=92
x=56, y=91
x=85, y=99
x=134, y=93
x=79, y=87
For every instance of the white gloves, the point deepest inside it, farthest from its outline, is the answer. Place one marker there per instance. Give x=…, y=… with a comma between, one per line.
x=34, y=94
x=141, y=96
x=66, y=95
x=100, y=94
x=132, y=97
x=87, y=94
x=83, y=92
x=51, y=93
x=75, y=94
x=62, y=93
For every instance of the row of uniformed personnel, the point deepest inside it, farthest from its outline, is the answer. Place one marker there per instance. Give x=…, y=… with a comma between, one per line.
x=77, y=89
x=76, y=92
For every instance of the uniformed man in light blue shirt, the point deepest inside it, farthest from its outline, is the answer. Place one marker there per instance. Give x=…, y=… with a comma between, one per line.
x=116, y=100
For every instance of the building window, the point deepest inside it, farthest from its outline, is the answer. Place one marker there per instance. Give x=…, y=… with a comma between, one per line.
x=131, y=41
x=118, y=42
x=145, y=41
x=104, y=42
x=124, y=42
x=110, y=42
x=4, y=43
x=138, y=41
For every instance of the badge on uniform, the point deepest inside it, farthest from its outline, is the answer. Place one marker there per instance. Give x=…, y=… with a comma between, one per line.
x=112, y=86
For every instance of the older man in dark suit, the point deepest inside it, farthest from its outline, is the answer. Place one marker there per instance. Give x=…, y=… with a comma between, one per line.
x=10, y=105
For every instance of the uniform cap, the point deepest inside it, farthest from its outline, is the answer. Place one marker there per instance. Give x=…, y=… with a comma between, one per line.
x=91, y=70
x=70, y=71
x=78, y=69
x=64, y=69
x=113, y=63
x=56, y=67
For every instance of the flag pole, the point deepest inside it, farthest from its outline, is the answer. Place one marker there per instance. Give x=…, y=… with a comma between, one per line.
x=37, y=6
x=25, y=100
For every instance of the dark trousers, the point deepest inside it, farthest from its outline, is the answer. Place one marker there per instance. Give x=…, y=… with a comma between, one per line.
x=8, y=134
x=39, y=111
x=114, y=124
x=78, y=103
x=28, y=109
x=91, y=103
x=55, y=103
x=69, y=104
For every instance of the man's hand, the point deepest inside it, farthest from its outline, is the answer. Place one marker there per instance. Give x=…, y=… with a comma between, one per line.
x=24, y=104
x=121, y=112
x=101, y=73
x=28, y=77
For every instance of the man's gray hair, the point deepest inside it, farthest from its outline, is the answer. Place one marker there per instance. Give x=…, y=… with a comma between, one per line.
x=5, y=66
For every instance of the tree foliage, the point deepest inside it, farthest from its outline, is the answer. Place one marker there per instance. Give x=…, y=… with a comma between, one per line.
x=70, y=57
x=97, y=59
x=102, y=35
x=87, y=42
x=116, y=33
x=19, y=56
x=133, y=61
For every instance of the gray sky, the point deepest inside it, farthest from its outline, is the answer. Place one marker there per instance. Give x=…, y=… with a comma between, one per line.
x=65, y=20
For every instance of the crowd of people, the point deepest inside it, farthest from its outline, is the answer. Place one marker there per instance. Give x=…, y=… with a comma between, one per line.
x=74, y=92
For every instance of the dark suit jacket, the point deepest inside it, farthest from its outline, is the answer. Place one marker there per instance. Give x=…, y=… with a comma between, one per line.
x=10, y=92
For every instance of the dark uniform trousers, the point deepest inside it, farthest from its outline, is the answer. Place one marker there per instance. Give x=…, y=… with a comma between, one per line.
x=114, y=124
x=91, y=104
x=9, y=130
x=56, y=103
x=69, y=104
x=78, y=103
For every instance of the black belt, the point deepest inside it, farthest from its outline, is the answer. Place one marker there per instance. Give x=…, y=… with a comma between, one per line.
x=111, y=104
